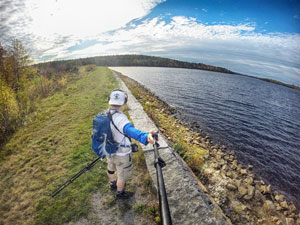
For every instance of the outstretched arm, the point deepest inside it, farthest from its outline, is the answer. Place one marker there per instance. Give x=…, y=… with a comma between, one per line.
x=138, y=135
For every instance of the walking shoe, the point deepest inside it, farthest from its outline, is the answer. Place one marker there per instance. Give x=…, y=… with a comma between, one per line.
x=113, y=185
x=124, y=194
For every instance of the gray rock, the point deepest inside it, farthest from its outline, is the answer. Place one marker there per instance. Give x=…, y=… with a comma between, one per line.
x=279, y=198
x=268, y=206
x=251, y=191
x=249, y=180
x=290, y=221
x=231, y=187
x=258, y=196
x=229, y=174
x=238, y=207
x=242, y=190
x=243, y=172
x=284, y=205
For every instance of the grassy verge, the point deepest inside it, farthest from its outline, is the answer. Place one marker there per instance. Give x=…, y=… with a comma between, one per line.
x=149, y=206
x=54, y=146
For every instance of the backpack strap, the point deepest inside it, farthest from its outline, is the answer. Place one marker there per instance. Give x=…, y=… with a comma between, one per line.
x=109, y=114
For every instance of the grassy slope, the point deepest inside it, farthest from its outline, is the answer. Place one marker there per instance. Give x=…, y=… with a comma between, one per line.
x=43, y=154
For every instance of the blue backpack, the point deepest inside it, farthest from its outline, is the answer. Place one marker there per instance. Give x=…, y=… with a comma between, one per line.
x=102, y=140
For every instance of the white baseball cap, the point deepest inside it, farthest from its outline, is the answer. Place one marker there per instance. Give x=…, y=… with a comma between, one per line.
x=117, y=97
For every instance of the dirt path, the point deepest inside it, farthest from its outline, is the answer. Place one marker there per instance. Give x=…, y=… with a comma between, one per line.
x=140, y=209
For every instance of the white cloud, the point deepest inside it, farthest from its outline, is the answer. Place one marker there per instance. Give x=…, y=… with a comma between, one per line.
x=235, y=47
x=59, y=24
x=84, y=18
x=52, y=28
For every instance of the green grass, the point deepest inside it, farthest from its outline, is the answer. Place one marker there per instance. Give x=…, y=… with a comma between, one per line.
x=52, y=148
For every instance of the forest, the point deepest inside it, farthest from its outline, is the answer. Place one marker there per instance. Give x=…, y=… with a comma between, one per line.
x=130, y=60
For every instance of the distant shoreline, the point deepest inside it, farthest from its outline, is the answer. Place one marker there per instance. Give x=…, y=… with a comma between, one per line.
x=280, y=83
x=271, y=81
x=145, y=61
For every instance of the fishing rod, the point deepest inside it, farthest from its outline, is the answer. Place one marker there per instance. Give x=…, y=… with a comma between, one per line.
x=83, y=170
x=159, y=163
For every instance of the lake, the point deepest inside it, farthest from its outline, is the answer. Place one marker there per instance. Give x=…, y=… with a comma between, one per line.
x=259, y=120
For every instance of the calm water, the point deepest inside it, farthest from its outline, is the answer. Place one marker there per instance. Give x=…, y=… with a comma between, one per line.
x=257, y=119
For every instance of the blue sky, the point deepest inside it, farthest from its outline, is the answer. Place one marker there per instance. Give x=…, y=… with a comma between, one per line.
x=259, y=38
x=269, y=15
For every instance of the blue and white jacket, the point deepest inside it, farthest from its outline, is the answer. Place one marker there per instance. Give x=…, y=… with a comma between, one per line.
x=122, y=123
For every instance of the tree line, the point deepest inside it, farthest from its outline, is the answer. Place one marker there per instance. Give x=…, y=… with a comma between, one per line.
x=131, y=60
x=280, y=83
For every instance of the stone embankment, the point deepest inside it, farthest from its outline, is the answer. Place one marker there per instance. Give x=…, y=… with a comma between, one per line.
x=244, y=198
x=188, y=202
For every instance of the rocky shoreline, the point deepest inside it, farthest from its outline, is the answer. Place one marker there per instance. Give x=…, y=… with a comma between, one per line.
x=244, y=198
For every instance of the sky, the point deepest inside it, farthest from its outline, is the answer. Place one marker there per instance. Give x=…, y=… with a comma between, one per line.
x=258, y=37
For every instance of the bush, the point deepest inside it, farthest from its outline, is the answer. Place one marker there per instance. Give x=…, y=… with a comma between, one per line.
x=22, y=85
x=9, y=111
x=90, y=68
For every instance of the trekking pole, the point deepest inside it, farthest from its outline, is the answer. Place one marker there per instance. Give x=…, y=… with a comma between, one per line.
x=83, y=170
x=159, y=163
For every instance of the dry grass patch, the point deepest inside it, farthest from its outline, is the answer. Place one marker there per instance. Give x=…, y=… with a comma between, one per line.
x=47, y=151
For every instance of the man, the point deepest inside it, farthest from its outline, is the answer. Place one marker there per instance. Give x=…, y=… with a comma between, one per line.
x=122, y=131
